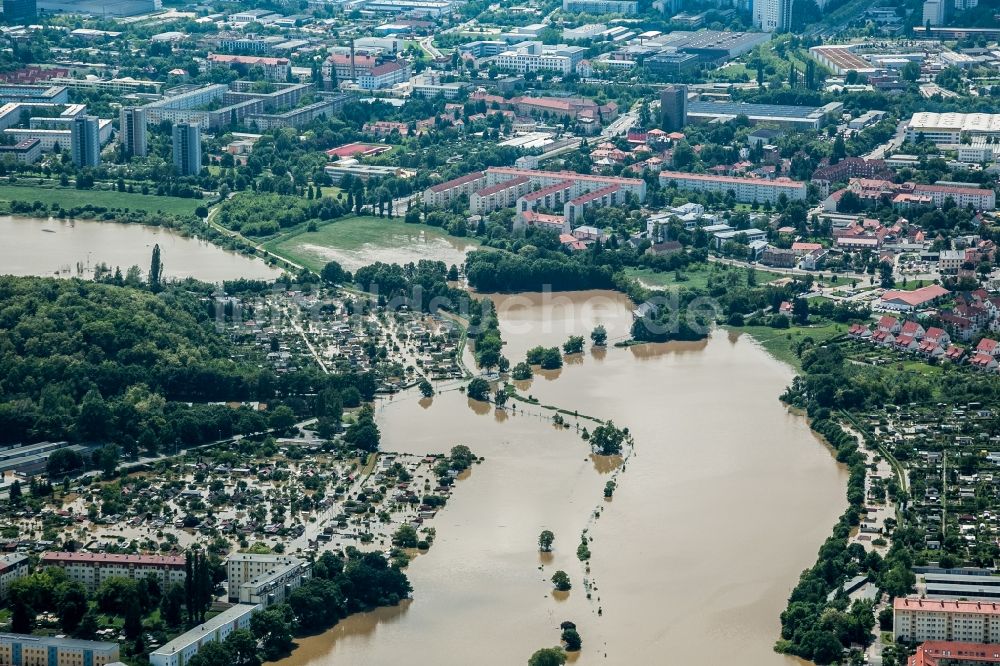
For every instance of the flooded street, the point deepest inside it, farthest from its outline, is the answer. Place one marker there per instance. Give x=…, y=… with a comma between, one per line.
x=32, y=246
x=725, y=500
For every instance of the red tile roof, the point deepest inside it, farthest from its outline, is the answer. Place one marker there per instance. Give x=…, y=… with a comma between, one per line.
x=456, y=182
x=933, y=653
x=916, y=297
x=945, y=606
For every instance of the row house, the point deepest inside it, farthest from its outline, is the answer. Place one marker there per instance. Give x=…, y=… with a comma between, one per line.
x=909, y=336
x=935, y=343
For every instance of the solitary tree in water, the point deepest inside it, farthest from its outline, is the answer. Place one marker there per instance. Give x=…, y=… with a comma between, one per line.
x=155, y=269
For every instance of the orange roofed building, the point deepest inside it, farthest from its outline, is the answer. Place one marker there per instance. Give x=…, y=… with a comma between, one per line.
x=918, y=620
x=952, y=653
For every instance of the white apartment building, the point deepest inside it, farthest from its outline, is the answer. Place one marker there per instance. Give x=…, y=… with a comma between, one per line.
x=976, y=152
x=746, y=190
x=12, y=567
x=933, y=12
x=772, y=15
x=978, y=198
x=264, y=579
x=574, y=209
x=918, y=620
x=92, y=569
x=385, y=75
x=582, y=182
x=180, y=650
x=501, y=195
x=275, y=69
x=529, y=61
x=624, y=7
x=28, y=650
x=442, y=194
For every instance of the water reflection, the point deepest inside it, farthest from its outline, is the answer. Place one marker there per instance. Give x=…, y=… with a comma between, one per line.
x=25, y=250
x=479, y=406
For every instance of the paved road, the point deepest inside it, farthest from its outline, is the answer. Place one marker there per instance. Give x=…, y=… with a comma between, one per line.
x=427, y=44
x=621, y=125
x=891, y=145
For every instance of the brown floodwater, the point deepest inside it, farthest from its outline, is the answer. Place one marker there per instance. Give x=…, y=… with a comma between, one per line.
x=52, y=247
x=725, y=499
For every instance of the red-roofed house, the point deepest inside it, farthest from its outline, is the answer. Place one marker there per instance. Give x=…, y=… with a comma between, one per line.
x=935, y=342
x=906, y=342
x=859, y=331
x=888, y=324
x=988, y=346
x=954, y=354
x=801, y=248
x=983, y=361
x=912, y=329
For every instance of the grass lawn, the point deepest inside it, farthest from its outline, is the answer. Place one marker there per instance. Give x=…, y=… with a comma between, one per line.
x=68, y=197
x=357, y=241
x=697, y=276
x=912, y=284
x=781, y=342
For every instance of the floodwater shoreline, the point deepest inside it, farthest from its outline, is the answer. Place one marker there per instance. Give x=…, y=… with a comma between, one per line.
x=537, y=476
x=57, y=247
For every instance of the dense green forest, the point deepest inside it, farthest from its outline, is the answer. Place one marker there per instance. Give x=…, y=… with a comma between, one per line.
x=94, y=362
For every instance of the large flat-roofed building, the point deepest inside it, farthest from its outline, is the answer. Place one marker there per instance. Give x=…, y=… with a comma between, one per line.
x=796, y=117
x=180, y=650
x=948, y=128
x=301, y=116
x=12, y=567
x=411, y=7
x=32, y=458
x=840, y=59
x=943, y=585
x=264, y=579
x=599, y=7
x=218, y=105
x=746, y=190
x=25, y=650
x=92, y=569
x=42, y=94
x=918, y=620
x=102, y=8
x=25, y=151
x=713, y=46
